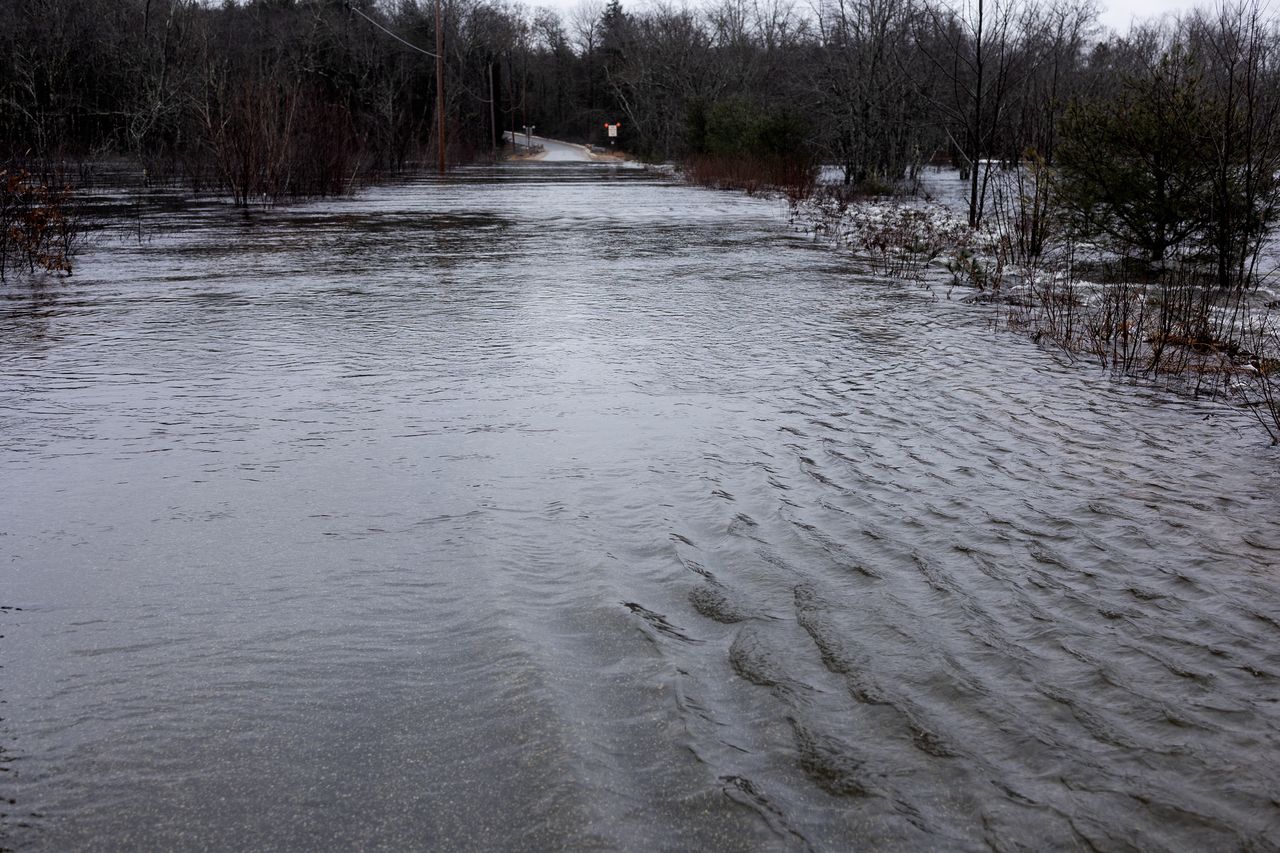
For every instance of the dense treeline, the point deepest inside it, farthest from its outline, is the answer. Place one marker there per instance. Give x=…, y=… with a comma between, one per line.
x=1164, y=138
x=264, y=98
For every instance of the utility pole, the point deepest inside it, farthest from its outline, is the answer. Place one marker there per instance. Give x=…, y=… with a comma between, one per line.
x=511, y=99
x=440, y=83
x=439, y=55
x=493, y=113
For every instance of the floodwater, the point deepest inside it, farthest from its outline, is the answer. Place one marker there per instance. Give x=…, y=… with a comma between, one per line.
x=562, y=507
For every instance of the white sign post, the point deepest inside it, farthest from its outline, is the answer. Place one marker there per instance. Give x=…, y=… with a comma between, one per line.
x=613, y=131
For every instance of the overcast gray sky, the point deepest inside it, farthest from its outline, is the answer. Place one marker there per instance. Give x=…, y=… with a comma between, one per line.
x=1116, y=14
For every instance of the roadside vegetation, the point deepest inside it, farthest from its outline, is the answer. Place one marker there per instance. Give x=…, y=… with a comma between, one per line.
x=1142, y=238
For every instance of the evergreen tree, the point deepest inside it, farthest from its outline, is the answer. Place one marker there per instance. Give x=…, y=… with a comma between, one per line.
x=1134, y=167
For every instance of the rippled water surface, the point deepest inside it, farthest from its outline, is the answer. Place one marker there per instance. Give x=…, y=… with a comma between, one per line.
x=560, y=507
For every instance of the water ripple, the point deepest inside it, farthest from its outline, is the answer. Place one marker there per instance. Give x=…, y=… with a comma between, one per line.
x=555, y=507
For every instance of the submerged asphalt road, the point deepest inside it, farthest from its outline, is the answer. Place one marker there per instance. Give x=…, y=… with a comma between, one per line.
x=560, y=507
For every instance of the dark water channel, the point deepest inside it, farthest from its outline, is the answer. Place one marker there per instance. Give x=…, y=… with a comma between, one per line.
x=563, y=508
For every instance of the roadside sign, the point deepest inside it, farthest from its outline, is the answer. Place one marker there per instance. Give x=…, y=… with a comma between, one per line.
x=612, y=128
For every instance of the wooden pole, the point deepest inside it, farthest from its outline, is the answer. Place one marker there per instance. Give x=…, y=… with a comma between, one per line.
x=493, y=112
x=440, y=83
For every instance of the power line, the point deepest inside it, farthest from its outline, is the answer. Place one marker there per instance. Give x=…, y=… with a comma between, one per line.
x=438, y=56
x=393, y=35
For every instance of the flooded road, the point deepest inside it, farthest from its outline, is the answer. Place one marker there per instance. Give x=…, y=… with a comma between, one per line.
x=559, y=507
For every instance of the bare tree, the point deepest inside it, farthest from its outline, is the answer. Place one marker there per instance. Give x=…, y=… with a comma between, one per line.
x=867, y=96
x=976, y=52
x=1241, y=58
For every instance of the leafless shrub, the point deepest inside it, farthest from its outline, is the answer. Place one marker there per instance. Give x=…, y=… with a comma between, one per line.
x=1179, y=329
x=39, y=224
x=1023, y=212
x=898, y=240
x=794, y=177
x=269, y=139
x=1254, y=382
x=971, y=267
